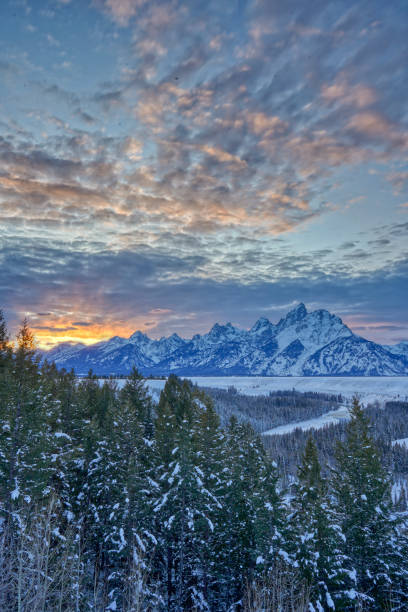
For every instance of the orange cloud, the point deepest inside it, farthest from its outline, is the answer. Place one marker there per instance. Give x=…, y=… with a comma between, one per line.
x=265, y=125
x=359, y=96
x=52, y=328
x=377, y=127
x=222, y=156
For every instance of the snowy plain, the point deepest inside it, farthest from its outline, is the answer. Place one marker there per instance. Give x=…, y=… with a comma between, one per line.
x=334, y=416
x=369, y=389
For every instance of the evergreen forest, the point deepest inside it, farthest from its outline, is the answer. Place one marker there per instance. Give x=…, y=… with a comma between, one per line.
x=109, y=501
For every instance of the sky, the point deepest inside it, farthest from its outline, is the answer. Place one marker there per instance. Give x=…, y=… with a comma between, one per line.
x=166, y=164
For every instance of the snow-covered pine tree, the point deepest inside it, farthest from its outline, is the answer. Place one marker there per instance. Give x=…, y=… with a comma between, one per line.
x=24, y=432
x=5, y=351
x=363, y=494
x=100, y=488
x=253, y=511
x=184, y=505
x=318, y=540
x=212, y=458
x=134, y=430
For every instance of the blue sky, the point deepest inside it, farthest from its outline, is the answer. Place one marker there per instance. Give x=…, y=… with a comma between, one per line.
x=166, y=165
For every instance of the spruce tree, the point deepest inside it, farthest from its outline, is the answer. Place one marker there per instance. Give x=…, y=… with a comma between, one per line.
x=253, y=510
x=363, y=493
x=24, y=434
x=184, y=505
x=319, y=542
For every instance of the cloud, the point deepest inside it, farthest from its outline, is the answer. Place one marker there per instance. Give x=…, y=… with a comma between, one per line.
x=222, y=156
x=359, y=96
x=399, y=180
x=169, y=290
x=202, y=163
x=122, y=10
x=81, y=323
x=378, y=128
x=133, y=148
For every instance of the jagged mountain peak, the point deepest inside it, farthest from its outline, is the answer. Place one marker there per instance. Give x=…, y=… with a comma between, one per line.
x=137, y=336
x=261, y=325
x=219, y=330
x=302, y=343
x=175, y=336
x=294, y=316
x=300, y=311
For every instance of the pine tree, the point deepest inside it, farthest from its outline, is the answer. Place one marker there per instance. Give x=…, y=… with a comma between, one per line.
x=212, y=458
x=6, y=370
x=24, y=433
x=5, y=347
x=101, y=485
x=184, y=504
x=363, y=493
x=319, y=542
x=254, y=510
x=130, y=517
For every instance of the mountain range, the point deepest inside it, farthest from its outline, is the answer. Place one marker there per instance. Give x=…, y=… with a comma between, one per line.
x=303, y=343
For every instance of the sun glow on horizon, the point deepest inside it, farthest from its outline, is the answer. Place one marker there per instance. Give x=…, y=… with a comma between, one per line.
x=51, y=333
x=91, y=334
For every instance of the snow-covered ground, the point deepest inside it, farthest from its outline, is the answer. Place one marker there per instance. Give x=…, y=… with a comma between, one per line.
x=401, y=442
x=334, y=416
x=368, y=389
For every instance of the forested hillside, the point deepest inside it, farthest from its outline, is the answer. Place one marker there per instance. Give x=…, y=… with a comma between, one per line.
x=264, y=412
x=109, y=502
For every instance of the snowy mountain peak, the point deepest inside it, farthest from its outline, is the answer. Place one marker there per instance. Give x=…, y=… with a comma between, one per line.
x=218, y=331
x=294, y=316
x=175, y=336
x=399, y=349
x=116, y=340
x=262, y=325
x=302, y=343
x=139, y=336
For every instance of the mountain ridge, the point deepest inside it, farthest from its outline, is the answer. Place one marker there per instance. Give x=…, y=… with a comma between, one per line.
x=302, y=343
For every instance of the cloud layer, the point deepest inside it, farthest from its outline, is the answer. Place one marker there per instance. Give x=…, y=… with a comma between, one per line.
x=168, y=164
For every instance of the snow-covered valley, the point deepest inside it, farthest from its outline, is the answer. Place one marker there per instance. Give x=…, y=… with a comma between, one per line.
x=369, y=390
x=375, y=388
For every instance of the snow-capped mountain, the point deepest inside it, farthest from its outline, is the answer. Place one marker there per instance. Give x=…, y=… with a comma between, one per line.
x=301, y=344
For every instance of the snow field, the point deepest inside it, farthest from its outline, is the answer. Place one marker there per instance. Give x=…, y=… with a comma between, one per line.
x=369, y=389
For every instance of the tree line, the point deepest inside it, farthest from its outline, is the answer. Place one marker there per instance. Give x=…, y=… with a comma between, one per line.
x=387, y=425
x=109, y=502
x=265, y=412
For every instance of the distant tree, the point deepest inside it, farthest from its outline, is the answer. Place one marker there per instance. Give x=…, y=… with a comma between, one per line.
x=5, y=361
